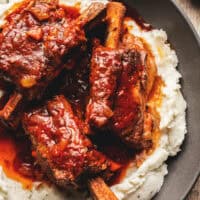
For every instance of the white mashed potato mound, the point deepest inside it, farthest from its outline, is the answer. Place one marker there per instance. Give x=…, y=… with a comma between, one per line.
x=140, y=183
x=144, y=182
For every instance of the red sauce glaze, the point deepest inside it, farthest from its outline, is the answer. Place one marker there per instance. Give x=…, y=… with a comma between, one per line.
x=70, y=12
x=75, y=85
x=19, y=164
x=114, y=149
x=35, y=56
x=17, y=161
x=126, y=107
x=67, y=11
x=16, y=157
x=105, y=70
x=58, y=139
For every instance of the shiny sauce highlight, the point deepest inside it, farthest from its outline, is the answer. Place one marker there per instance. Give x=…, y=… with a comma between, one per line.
x=16, y=156
x=17, y=161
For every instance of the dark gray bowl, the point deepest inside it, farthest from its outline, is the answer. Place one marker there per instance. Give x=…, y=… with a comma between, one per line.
x=183, y=169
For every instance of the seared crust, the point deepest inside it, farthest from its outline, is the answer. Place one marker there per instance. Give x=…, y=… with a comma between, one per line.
x=138, y=75
x=35, y=43
x=128, y=116
x=105, y=71
x=66, y=154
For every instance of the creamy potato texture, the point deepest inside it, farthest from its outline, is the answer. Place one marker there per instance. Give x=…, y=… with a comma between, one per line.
x=145, y=181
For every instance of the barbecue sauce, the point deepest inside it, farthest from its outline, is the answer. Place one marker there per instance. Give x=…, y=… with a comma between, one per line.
x=16, y=156
x=17, y=161
x=117, y=151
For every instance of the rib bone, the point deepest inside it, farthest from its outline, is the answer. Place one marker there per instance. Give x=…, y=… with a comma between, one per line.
x=115, y=15
x=100, y=191
x=7, y=112
x=105, y=70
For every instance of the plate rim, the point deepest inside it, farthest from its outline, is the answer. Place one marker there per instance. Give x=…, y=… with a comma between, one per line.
x=183, y=14
x=196, y=35
x=187, y=19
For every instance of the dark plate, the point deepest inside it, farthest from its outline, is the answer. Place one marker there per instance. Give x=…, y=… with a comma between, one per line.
x=183, y=169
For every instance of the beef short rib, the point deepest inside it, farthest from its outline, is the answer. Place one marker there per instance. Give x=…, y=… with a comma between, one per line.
x=65, y=154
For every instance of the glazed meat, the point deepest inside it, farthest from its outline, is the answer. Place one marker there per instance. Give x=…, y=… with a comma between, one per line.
x=65, y=154
x=97, y=79
x=35, y=44
x=129, y=108
x=130, y=118
x=122, y=75
x=132, y=42
x=127, y=117
x=25, y=58
x=105, y=70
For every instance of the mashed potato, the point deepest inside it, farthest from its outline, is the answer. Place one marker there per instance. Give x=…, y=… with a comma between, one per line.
x=143, y=182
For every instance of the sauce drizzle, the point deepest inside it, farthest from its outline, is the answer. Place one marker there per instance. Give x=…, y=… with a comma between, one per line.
x=17, y=161
x=16, y=156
